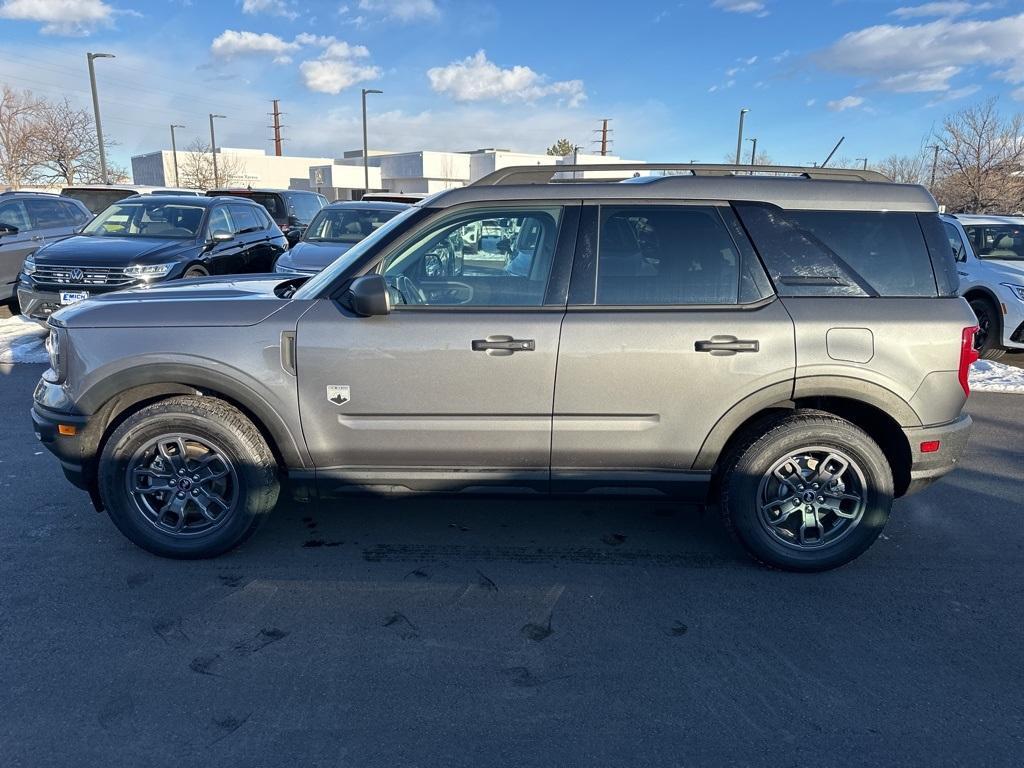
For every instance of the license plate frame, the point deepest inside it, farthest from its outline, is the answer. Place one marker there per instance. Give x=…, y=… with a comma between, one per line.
x=72, y=297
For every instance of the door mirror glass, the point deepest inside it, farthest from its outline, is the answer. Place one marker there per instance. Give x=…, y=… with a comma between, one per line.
x=8, y=229
x=221, y=236
x=368, y=296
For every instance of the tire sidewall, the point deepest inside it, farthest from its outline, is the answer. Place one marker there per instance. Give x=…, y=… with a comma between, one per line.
x=745, y=479
x=992, y=348
x=133, y=435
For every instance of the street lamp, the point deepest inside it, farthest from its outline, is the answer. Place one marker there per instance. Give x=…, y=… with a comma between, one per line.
x=858, y=159
x=366, y=150
x=213, y=150
x=753, y=152
x=96, y=111
x=739, y=138
x=174, y=153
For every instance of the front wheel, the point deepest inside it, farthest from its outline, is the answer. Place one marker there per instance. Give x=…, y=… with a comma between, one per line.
x=188, y=477
x=194, y=271
x=808, y=493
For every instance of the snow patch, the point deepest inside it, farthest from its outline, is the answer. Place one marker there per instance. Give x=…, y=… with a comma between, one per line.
x=989, y=376
x=21, y=341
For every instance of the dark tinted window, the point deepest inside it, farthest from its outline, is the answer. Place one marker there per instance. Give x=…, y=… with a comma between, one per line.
x=841, y=253
x=244, y=218
x=305, y=205
x=48, y=213
x=956, y=243
x=13, y=214
x=97, y=200
x=660, y=255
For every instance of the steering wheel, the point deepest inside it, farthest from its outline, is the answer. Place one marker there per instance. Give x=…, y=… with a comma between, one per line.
x=410, y=292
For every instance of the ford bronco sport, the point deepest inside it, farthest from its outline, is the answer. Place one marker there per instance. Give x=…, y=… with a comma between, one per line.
x=790, y=346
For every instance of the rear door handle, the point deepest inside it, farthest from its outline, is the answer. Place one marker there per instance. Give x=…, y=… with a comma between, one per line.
x=501, y=346
x=726, y=345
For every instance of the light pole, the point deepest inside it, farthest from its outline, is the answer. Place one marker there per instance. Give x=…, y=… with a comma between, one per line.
x=739, y=138
x=856, y=159
x=96, y=111
x=213, y=150
x=174, y=153
x=366, y=149
x=935, y=165
x=753, y=152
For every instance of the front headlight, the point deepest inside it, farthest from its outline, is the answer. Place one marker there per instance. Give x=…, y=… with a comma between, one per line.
x=29, y=267
x=1016, y=290
x=56, y=347
x=149, y=271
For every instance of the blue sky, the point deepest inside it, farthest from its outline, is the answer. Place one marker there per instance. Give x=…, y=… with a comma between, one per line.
x=460, y=75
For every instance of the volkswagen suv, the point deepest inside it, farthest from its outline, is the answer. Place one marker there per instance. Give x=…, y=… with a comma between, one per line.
x=789, y=346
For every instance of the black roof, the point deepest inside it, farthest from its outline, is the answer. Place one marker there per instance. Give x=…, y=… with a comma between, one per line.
x=368, y=205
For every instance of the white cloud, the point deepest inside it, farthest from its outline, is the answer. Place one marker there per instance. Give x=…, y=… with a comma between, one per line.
x=402, y=10
x=476, y=78
x=925, y=57
x=939, y=9
x=811, y=102
x=231, y=43
x=740, y=6
x=845, y=103
x=273, y=7
x=340, y=66
x=61, y=17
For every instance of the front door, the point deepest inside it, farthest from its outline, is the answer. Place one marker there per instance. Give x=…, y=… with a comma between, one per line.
x=452, y=390
x=665, y=332
x=16, y=242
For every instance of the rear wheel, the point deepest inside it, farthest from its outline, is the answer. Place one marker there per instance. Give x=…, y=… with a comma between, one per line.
x=987, y=339
x=188, y=477
x=807, y=493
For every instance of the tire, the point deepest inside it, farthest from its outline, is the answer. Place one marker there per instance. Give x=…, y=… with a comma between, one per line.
x=196, y=270
x=988, y=339
x=761, y=512
x=243, y=475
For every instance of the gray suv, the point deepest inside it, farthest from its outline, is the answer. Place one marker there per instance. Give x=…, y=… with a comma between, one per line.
x=789, y=346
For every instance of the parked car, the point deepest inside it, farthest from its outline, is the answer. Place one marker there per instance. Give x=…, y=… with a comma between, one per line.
x=334, y=230
x=989, y=251
x=291, y=209
x=96, y=197
x=141, y=241
x=29, y=220
x=791, y=348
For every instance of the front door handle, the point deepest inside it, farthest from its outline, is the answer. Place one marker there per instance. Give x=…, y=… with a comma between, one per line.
x=500, y=346
x=726, y=345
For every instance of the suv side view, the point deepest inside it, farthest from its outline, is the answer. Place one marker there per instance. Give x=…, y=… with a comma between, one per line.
x=989, y=253
x=29, y=220
x=292, y=210
x=790, y=346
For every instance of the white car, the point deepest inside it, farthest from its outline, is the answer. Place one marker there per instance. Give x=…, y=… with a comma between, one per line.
x=989, y=251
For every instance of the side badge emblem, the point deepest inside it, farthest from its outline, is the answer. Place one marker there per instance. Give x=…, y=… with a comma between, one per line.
x=339, y=394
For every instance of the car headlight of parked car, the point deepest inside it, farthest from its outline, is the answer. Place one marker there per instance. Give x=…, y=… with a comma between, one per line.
x=149, y=271
x=56, y=348
x=1016, y=290
x=29, y=267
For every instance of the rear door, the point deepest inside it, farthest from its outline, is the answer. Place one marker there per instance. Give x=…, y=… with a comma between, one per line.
x=452, y=390
x=670, y=323
x=52, y=219
x=14, y=246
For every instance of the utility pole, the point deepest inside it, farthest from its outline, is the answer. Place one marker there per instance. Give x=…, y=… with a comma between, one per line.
x=276, y=114
x=739, y=138
x=174, y=153
x=753, y=152
x=856, y=159
x=935, y=165
x=96, y=111
x=366, y=149
x=604, y=141
x=213, y=150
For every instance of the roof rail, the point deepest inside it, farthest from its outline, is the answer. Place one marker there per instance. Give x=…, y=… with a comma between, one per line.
x=27, y=192
x=544, y=174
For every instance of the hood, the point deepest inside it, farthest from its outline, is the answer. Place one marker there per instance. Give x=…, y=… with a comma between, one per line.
x=1011, y=271
x=235, y=301
x=312, y=256
x=111, y=251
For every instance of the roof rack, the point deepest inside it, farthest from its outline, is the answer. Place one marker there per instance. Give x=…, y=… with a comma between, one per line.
x=544, y=174
x=27, y=192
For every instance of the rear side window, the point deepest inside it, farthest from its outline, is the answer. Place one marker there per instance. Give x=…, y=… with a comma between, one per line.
x=49, y=213
x=244, y=218
x=666, y=255
x=842, y=253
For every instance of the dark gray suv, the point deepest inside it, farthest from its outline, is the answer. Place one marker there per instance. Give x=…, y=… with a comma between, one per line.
x=789, y=345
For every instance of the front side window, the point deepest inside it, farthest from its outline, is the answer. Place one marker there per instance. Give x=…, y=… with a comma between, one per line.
x=220, y=221
x=665, y=255
x=13, y=214
x=346, y=225
x=150, y=217
x=489, y=259
x=1005, y=242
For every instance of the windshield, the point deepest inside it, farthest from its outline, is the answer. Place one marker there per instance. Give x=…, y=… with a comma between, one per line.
x=318, y=282
x=346, y=225
x=147, y=218
x=997, y=241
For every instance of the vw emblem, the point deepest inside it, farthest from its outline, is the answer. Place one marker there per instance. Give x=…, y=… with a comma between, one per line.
x=76, y=275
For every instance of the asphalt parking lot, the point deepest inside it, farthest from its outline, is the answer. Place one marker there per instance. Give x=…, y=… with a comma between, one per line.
x=493, y=632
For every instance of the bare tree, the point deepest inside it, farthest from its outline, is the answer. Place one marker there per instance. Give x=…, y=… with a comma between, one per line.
x=980, y=157
x=905, y=169
x=69, y=151
x=195, y=167
x=19, y=135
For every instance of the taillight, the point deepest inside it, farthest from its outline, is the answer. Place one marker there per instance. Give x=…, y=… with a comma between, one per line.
x=968, y=355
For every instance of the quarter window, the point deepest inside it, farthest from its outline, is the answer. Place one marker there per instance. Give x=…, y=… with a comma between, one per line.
x=482, y=259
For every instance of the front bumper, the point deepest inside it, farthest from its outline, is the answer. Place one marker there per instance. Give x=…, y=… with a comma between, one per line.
x=925, y=468
x=71, y=450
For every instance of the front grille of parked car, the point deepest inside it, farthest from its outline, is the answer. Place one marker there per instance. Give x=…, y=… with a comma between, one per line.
x=110, y=277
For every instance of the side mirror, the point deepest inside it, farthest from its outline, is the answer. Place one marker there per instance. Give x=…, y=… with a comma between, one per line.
x=368, y=296
x=293, y=236
x=8, y=229
x=221, y=236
